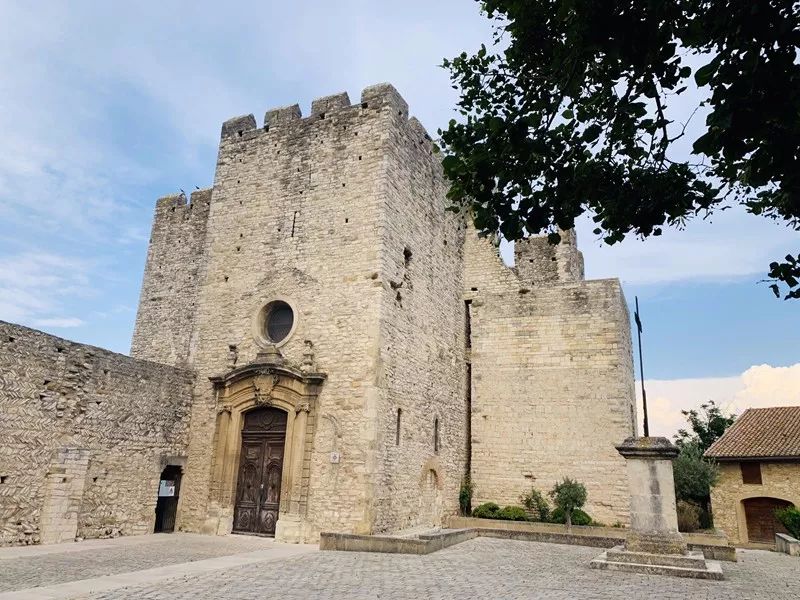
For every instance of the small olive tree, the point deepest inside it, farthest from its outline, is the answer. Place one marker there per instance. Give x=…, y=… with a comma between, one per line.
x=568, y=495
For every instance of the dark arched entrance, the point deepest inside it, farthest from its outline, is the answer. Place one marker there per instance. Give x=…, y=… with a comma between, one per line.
x=169, y=487
x=258, y=488
x=761, y=522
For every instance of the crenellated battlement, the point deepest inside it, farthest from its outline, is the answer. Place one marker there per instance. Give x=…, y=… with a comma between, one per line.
x=379, y=96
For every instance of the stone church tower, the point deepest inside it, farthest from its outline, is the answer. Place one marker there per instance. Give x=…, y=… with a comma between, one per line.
x=334, y=351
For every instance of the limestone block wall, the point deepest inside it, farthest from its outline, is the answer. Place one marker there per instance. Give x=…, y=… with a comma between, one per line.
x=296, y=215
x=422, y=370
x=552, y=378
x=84, y=434
x=175, y=266
x=779, y=479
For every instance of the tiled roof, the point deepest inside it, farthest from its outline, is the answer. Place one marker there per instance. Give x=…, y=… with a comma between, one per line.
x=761, y=433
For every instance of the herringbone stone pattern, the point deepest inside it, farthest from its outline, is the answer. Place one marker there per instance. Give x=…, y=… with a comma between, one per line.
x=481, y=568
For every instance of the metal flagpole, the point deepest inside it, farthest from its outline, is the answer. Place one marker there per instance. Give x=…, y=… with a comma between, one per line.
x=641, y=367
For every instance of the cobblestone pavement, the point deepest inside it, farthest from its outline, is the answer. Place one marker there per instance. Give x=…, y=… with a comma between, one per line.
x=121, y=555
x=480, y=568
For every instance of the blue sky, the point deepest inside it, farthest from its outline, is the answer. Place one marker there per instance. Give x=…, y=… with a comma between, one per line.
x=106, y=106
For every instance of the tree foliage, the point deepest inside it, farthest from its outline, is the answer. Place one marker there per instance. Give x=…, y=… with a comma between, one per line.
x=694, y=475
x=706, y=426
x=568, y=112
x=568, y=495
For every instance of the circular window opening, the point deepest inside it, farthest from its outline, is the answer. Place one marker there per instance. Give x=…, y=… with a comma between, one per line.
x=279, y=321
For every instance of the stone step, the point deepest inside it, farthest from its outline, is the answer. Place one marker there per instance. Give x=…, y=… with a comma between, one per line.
x=690, y=560
x=711, y=569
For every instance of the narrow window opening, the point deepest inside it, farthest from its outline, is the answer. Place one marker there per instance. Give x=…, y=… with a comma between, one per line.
x=3, y=478
x=364, y=105
x=294, y=220
x=397, y=427
x=407, y=256
x=468, y=323
x=266, y=127
x=436, y=435
x=359, y=158
x=240, y=133
x=474, y=289
x=751, y=472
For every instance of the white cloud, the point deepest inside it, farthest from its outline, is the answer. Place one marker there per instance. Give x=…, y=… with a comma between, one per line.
x=35, y=285
x=759, y=386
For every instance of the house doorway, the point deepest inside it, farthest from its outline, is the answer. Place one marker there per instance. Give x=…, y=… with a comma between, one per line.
x=761, y=522
x=258, y=488
x=169, y=487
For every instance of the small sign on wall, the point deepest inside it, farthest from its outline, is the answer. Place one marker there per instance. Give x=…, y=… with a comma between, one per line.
x=335, y=458
x=166, y=488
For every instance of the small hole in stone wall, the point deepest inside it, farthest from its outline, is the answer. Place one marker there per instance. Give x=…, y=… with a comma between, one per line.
x=445, y=242
x=344, y=184
x=298, y=169
x=347, y=220
x=359, y=158
x=474, y=289
x=279, y=229
x=240, y=202
x=344, y=128
x=42, y=396
x=46, y=381
x=94, y=479
x=11, y=338
x=63, y=480
x=278, y=152
x=226, y=279
x=98, y=402
x=553, y=259
x=364, y=105
x=240, y=133
x=240, y=160
x=241, y=235
x=356, y=133
x=105, y=371
x=530, y=260
x=238, y=181
x=407, y=256
x=266, y=127
x=238, y=248
x=59, y=349
x=399, y=112
x=3, y=478
x=321, y=116
x=173, y=209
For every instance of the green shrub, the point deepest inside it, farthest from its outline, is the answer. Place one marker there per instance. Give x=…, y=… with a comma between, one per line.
x=569, y=495
x=790, y=518
x=688, y=516
x=465, y=496
x=513, y=513
x=489, y=510
x=536, y=505
x=578, y=517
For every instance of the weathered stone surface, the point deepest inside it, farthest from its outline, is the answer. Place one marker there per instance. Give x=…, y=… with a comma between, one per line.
x=693, y=566
x=787, y=544
x=779, y=479
x=84, y=434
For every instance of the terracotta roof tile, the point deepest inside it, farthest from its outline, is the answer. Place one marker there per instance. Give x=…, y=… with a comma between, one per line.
x=761, y=433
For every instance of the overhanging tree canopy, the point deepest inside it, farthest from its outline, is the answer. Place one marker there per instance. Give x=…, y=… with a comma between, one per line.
x=569, y=114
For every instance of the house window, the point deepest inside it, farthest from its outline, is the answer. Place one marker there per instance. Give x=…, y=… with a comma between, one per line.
x=751, y=472
x=436, y=435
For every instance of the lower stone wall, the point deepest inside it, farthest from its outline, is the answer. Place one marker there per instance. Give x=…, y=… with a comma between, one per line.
x=779, y=480
x=85, y=434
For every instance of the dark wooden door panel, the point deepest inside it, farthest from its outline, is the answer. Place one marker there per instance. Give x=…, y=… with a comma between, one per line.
x=761, y=522
x=260, y=469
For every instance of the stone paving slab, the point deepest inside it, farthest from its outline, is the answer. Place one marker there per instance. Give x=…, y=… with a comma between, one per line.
x=36, y=566
x=477, y=569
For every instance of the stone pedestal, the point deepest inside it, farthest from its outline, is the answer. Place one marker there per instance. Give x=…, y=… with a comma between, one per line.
x=653, y=544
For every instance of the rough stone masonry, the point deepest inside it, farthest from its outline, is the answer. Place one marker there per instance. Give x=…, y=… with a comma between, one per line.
x=321, y=346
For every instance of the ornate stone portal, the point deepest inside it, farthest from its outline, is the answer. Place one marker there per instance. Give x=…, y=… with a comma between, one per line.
x=653, y=543
x=265, y=382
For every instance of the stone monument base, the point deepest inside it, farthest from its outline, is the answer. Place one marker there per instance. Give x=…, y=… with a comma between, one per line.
x=691, y=564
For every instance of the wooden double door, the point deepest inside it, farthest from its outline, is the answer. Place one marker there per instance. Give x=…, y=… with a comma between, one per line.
x=258, y=489
x=762, y=525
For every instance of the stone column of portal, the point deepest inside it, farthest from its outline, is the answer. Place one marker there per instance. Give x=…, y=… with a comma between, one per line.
x=654, y=518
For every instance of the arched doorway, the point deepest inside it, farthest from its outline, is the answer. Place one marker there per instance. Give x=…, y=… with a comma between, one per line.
x=258, y=488
x=760, y=517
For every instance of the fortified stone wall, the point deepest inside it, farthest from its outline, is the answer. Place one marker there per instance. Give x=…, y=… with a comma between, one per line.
x=175, y=265
x=422, y=339
x=552, y=383
x=85, y=435
x=779, y=479
x=295, y=216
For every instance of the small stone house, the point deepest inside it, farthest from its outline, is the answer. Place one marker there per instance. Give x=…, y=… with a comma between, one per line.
x=759, y=460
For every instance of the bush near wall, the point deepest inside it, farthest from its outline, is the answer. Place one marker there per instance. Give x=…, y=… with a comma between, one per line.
x=490, y=510
x=790, y=518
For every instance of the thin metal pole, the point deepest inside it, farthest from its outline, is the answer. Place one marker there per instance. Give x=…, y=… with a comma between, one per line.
x=641, y=369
